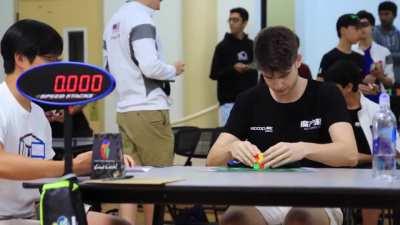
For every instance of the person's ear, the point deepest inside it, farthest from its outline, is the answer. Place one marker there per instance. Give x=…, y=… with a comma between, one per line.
x=341, y=31
x=349, y=87
x=299, y=60
x=21, y=62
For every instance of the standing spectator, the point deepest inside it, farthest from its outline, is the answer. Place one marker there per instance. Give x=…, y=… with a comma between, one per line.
x=230, y=65
x=378, y=64
x=388, y=35
x=133, y=56
x=348, y=31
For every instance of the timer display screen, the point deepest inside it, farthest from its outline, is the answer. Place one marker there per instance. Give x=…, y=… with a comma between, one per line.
x=65, y=83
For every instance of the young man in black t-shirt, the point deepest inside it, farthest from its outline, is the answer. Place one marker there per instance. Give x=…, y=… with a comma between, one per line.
x=348, y=31
x=293, y=121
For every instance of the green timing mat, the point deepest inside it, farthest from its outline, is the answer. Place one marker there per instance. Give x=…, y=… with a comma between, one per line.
x=268, y=170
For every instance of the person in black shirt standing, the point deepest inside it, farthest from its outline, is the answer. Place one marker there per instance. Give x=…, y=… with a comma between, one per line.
x=348, y=30
x=231, y=63
x=292, y=121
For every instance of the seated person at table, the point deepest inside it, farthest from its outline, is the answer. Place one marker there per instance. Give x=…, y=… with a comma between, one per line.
x=23, y=126
x=347, y=77
x=292, y=121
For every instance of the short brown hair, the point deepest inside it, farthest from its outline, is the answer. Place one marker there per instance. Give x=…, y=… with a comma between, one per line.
x=275, y=49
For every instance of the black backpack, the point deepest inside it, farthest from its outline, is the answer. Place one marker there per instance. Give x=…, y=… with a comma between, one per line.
x=61, y=204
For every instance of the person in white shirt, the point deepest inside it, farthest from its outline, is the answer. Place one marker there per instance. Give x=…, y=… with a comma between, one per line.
x=24, y=127
x=378, y=63
x=133, y=56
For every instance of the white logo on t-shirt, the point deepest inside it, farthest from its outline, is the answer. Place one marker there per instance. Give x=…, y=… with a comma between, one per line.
x=312, y=124
x=242, y=56
x=267, y=129
x=31, y=146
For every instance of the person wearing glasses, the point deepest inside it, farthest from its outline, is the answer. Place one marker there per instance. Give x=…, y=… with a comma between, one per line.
x=292, y=121
x=231, y=64
x=348, y=31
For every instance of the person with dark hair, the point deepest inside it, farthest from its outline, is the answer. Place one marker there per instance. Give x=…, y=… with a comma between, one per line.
x=347, y=77
x=24, y=126
x=292, y=121
x=388, y=35
x=231, y=63
x=242, y=12
x=348, y=31
x=377, y=70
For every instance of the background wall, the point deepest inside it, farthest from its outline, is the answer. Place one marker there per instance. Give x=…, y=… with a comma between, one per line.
x=281, y=12
x=200, y=38
x=7, y=17
x=316, y=24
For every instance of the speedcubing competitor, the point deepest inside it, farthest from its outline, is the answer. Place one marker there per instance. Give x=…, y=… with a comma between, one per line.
x=292, y=121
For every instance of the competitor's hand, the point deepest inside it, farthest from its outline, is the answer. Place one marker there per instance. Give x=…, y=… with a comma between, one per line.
x=83, y=163
x=128, y=161
x=283, y=153
x=244, y=152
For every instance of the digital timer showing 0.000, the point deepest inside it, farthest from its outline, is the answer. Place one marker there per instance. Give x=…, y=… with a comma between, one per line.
x=78, y=84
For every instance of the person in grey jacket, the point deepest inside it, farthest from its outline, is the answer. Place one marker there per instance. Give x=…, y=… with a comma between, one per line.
x=388, y=35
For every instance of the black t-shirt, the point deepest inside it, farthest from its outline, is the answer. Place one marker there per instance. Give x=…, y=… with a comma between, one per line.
x=362, y=143
x=335, y=55
x=258, y=118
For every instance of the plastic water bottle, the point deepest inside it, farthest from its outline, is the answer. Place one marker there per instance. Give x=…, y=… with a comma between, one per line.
x=384, y=141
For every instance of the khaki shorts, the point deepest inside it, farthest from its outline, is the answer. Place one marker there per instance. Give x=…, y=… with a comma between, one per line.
x=276, y=215
x=147, y=137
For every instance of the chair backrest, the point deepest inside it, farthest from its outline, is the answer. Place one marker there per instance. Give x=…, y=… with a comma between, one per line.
x=186, y=139
x=207, y=139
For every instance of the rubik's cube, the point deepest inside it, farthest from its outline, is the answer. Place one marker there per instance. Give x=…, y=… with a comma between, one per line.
x=259, y=165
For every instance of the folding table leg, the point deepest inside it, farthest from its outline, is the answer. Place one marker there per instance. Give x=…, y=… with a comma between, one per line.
x=396, y=216
x=158, y=217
